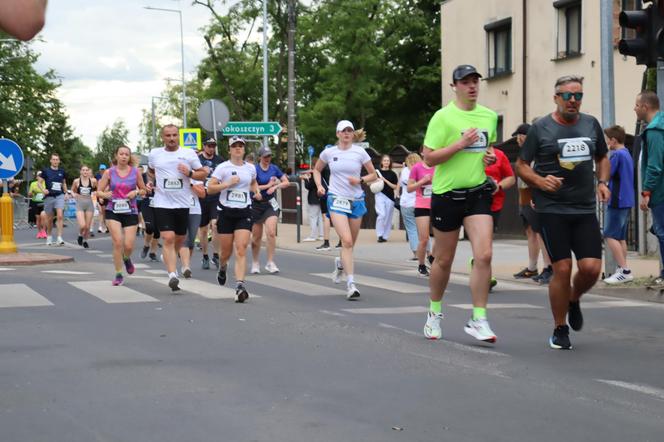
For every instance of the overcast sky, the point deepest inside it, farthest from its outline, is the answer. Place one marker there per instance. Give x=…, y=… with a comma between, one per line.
x=113, y=55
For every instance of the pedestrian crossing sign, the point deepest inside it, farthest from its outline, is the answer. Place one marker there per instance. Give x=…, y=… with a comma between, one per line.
x=191, y=138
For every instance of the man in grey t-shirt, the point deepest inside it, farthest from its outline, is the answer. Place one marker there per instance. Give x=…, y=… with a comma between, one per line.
x=563, y=146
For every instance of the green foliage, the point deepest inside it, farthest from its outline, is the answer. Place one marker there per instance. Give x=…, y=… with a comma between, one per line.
x=110, y=139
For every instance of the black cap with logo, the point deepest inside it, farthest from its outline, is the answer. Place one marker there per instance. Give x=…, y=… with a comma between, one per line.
x=521, y=130
x=464, y=70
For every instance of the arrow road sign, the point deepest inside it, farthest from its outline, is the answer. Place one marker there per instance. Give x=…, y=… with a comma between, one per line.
x=252, y=128
x=11, y=158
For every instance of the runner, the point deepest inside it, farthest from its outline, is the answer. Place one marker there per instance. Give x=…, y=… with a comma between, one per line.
x=84, y=188
x=101, y=204
x=54, y=188
x=265, y=213
x=563, y=145
x=458, y=142
x=197, y=191
x=36, y=196
x=234, y=180
x=120, y=185
x=151, y=237
x=170, y=169
x=345, y=200
x=419, y=181
x=208, y=203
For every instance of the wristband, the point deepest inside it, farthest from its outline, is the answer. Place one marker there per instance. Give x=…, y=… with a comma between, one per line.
x=191, y=172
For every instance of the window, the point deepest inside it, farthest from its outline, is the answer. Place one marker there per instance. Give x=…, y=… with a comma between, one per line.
x=569, y=27
x=499, y=45
x=630, y=5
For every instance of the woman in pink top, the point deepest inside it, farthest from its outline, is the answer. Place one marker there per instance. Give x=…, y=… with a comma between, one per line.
x=420, y=182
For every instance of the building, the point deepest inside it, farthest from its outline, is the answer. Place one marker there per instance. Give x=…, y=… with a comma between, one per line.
x=522, y=46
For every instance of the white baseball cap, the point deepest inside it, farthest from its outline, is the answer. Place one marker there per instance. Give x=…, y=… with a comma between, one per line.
x=343, y=124
x=236, y=139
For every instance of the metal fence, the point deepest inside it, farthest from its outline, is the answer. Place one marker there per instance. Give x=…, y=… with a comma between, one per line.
x=21, y=208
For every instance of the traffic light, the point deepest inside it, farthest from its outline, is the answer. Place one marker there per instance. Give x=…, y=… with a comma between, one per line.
x=648, y=44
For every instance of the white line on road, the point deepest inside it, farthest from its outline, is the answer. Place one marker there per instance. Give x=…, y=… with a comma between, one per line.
x=386, y=310
x=66, y=272
x=381, y=283
x=140, y=265
x=105, y=255
x=498, y=306
x=6, y=269
x=20, y=295
x=645, y=389
x=94, y=251
x=157, y=272
x=618, y=303
x=295, y=286
x=331, y=313
x=112, y=295
x=205, y=289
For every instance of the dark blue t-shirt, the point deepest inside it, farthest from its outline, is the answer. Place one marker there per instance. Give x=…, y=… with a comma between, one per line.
x=264, y=176
x=211, y=164
x=54, y=180
x=621, y=183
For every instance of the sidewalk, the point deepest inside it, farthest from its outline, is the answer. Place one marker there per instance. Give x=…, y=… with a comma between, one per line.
x=509, y=256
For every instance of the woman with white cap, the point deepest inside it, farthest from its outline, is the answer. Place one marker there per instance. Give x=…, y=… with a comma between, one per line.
x=265, y=213
x=345, y=201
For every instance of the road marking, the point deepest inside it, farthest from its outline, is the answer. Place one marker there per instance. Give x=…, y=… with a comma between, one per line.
x=94, y=251
x=498, y=306
x=157, y=272
x=140, y=265
x=66, y=272
x=617, y=303
x=465, y=280
x=386, y=310
x=381, y=283
x=645, y=389
x=20, y=295
x=331, y=313
x=205, y=289
x=6, y=269
x=112, y=295
x=106, y=255
x=295, y=286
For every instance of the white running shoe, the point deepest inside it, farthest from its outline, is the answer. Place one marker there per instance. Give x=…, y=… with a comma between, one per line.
x=338, y=271
x=49, y=240
x=255, y=268
x=309, y=239
x=619, y=277
x=61, y=242
x=480, y=330
x=432, y=328
x=271, y=267
x=352, y=292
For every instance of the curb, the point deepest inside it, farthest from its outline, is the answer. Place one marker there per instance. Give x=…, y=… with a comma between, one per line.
x=27, y=259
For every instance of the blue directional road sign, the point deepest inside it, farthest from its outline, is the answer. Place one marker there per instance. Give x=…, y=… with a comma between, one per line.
x=11, y=159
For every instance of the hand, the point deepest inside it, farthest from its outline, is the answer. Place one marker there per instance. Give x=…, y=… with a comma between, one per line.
x=489, y=157
x=496, y=185
x=320, y=191
x=426, y=180
x=470, y=137
x=271, y=190
x=183, y=169
x=551, y=183
x=149, y=186
x=644, y=203
x=258, y=196
x=354, y=180
x=45, y=192
x=603, y=193
x=131, y=195
x=234, y=180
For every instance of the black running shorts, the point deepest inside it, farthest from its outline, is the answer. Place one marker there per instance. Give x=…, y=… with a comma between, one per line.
x=447, y=214
x=566, y=233
x=208, y=211
x=125, y=219
x=172, y=220
x=230, y=219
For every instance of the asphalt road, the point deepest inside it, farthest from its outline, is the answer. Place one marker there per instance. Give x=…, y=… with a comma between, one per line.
x=298, y=362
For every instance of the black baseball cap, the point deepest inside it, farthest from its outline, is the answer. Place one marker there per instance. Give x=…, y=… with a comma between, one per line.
x=210, y=141
x=464, y=70
x=521, y=130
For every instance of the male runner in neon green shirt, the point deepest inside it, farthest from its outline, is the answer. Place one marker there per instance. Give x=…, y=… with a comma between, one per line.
x=458, y=142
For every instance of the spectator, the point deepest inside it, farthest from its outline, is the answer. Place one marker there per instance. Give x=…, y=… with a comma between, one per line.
x=384, y=203
x=313, y=206
x=407, y=203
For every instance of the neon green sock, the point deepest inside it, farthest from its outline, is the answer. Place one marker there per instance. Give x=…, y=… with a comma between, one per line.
x=479, y=313
x=435, y=306
x=118, y=274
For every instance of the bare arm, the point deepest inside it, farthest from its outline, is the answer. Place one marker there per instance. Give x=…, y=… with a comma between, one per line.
x=548, y=183
x=318, y=168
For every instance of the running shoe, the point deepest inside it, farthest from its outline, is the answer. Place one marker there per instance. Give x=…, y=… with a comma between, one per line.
x=92, y=234
x=153, y=257
x=574, y=316
x=174, y=283
x=129, y=266
x=422, y=270
x=79, y=240
x=323, y=247
x=338, y=271
x=430, y=258
x=61, y=242
x=221, y=275
x=118, y=280
x=525, y=273
x=241, y=294
x=492, y=283
x=144, y=252
x=49, y=240
x=352, y=293
x=205, y=263
x=560, y=338
x=271, y=267
x=338, y=246
x=432, y=328
x=256, y=268
x=381, y=239
x=309, y=239
x=85, y=245
x=619, y=277
x=186, y=273
x=480, y=330
x=215, y=261
x=544, y=277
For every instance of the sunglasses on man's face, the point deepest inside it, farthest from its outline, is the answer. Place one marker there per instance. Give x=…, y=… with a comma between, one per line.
x=578, y=96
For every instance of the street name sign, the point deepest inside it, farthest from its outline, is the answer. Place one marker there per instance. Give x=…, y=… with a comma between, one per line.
x=252, y=128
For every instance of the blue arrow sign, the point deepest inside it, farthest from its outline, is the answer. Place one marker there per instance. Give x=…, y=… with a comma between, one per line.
x=11, y=158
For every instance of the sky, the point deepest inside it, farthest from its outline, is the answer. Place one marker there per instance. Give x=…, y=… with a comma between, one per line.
x=112, y=56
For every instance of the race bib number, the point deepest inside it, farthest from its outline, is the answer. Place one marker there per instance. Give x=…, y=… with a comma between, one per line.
x=151, y=202
x=275, y=204
x=39, y=197
x=342, y=205
x=481, y=144
x=234, y=196
x=573, y=151
x=426, y=191
x=172, y=184
x=85, y=191
x=193, y=201
x=56, y=186
x=121, y=206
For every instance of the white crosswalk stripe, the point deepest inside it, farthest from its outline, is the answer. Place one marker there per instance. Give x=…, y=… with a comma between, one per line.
x=295, y=286
x=206, y=289
x=112, y=295
x=456, y=278
x=499, y=306
x=387, y=310
x=66, y=272
x=20, y=295
x=381, y=283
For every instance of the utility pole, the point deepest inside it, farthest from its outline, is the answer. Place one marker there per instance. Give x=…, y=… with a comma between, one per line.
x=265, y=69
x=292, y=14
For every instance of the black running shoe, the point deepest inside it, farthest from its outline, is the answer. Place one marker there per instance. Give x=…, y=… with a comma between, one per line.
x=174, y=284
x=574, y=316
x=144, y=252
x=545, y=276
x=85, y=245
x=430, y=258
x=525, y=273
x=221, y=275
x=241, y=294
x=79, y=240
x=153, y=257
x=560, y=338
x=323, y=247
x=422, y=270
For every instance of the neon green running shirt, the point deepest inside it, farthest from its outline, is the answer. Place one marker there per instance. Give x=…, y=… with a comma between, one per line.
x=465, y=169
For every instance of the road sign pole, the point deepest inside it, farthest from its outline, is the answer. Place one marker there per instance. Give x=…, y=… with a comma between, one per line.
x=214, y=122
x=7, y=244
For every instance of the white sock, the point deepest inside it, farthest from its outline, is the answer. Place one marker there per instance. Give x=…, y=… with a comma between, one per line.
x=532, y=265
x=349, y=280
x=173, y=275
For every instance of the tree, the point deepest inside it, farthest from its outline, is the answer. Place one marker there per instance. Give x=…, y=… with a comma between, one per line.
x=110, y=139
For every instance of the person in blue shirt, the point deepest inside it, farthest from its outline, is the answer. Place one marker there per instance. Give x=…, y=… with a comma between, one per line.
x=54, y=188
x=265, y=213
x=621, y=185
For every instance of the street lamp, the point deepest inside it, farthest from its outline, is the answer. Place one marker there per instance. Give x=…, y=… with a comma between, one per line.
x=184, y=94
x=154, y=123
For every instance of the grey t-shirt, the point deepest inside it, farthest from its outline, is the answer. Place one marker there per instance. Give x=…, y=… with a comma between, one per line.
x=567, y=152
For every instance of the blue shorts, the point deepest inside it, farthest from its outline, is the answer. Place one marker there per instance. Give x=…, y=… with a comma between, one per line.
x=615, y=223
x=352, y=208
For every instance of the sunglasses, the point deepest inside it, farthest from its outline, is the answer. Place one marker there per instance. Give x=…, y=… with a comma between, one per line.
x=578, y=96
